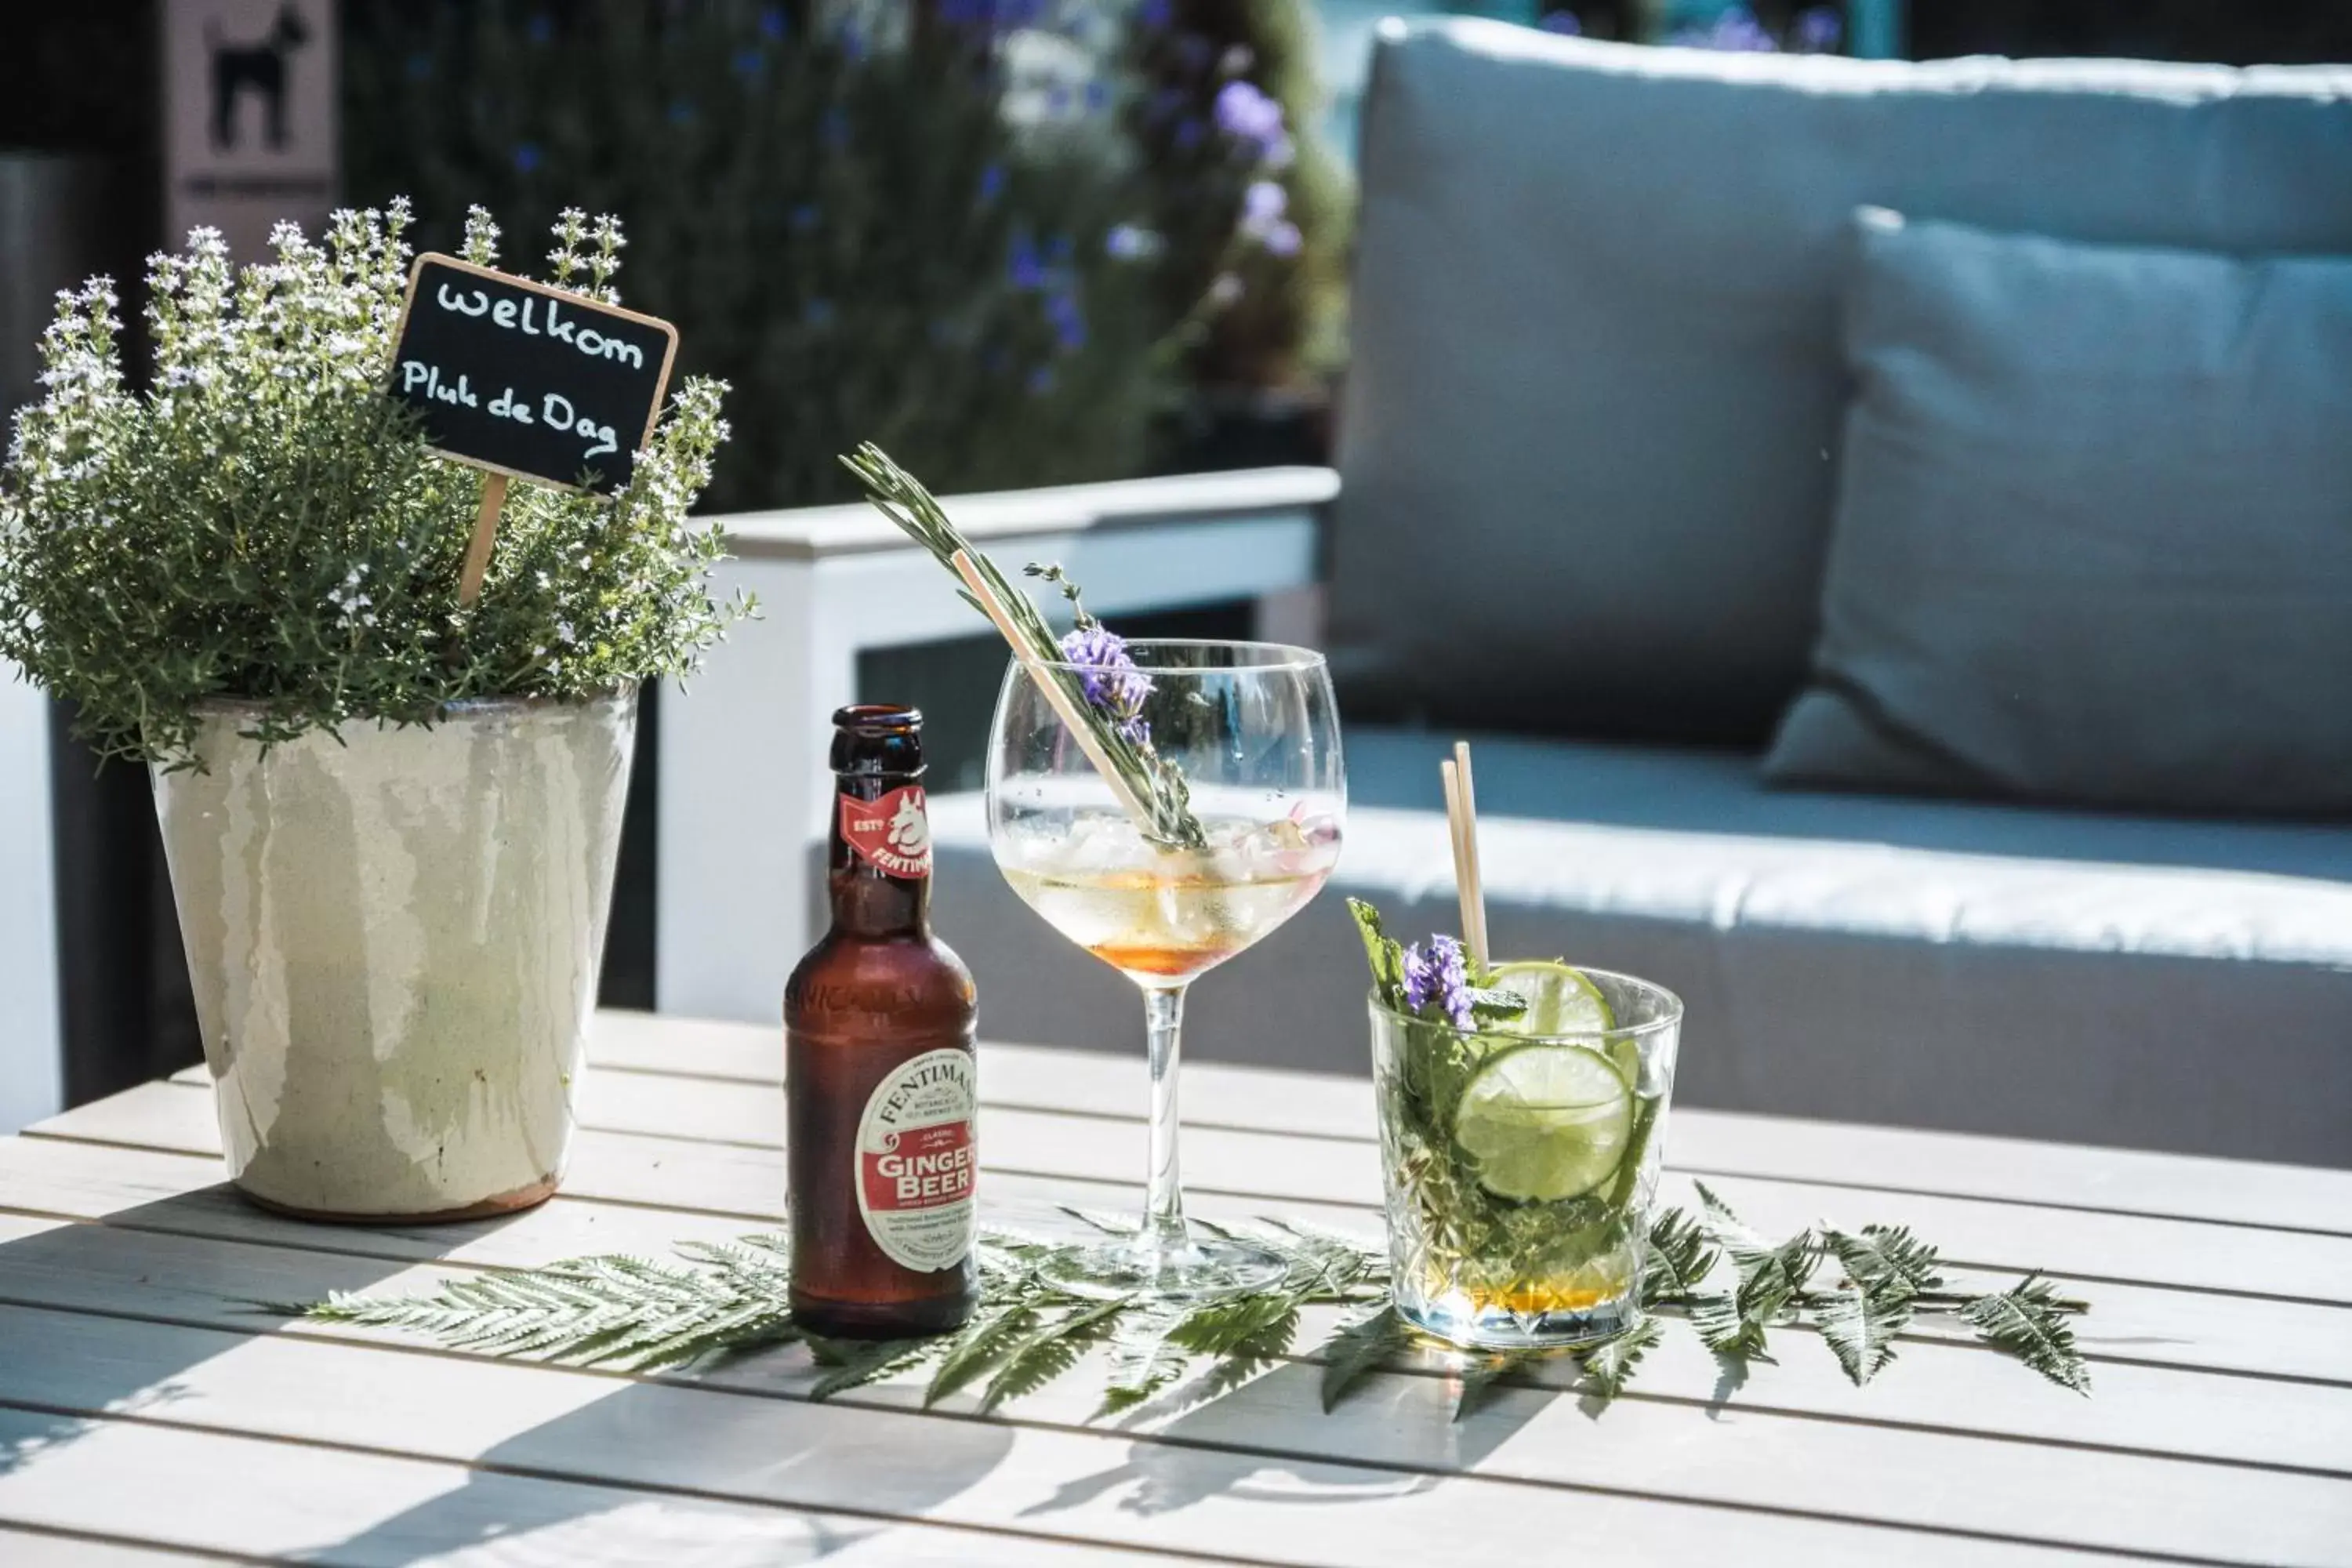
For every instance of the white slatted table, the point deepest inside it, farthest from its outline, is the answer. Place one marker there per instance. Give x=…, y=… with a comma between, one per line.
x=149, y=1412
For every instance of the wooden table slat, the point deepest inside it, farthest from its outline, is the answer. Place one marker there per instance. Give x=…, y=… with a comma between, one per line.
x=1657, y=1460
x=2184, y=1414
x=2220, y=1341
x=182, y=1195
x=1112, y=1083
x=1282, y=1172
x=223, y=1492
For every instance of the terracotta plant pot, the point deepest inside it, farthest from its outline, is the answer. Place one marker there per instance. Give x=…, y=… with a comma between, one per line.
x=393, y=936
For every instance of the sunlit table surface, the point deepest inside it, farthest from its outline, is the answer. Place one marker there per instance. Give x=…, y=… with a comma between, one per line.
x=150, y=1410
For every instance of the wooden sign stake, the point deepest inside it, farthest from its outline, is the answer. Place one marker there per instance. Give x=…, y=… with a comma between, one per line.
x=486, y=528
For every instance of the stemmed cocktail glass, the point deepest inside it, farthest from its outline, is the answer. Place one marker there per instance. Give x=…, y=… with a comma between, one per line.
x=1250, y=731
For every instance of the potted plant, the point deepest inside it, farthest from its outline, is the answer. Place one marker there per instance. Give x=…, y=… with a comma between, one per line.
x=390, y=820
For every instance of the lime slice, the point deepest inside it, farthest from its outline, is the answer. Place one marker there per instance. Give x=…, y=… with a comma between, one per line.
x=1560, y=1000
x=1544, y=1122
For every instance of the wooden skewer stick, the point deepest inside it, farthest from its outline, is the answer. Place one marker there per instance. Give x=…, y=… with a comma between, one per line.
x=1054, y=693
x=486, y=528
x=1462, y=821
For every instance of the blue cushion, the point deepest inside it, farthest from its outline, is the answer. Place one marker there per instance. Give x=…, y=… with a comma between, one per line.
x=1693, y=789
x=1595, y=392
x=2094, y=541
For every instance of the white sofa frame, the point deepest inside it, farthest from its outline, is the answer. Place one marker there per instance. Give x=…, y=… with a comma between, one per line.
x=744, y=782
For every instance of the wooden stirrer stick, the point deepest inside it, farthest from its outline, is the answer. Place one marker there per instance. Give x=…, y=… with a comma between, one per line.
x=1054, y=693
x=1462, y=819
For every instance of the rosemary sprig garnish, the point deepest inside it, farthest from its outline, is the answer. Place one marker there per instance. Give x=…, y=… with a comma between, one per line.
x=1152, y=778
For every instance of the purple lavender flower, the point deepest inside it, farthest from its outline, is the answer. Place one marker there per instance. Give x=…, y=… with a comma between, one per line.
x=1564, y=22
x=1108, y=676
x=1439, y=976
x=1817, y=30
x=1263, y=204
x=1248, y=114
x=1281, y=239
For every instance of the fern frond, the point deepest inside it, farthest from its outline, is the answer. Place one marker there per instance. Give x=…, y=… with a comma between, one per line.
x=983, y=1341
x=1886, y=1257
x=853, y=1363
x=1609, y=1364
x=2030, y=1322
x=1483, y=1372
x=1143, y=1360
x=1360, y=1348
x=1046, y=1354
x=1680, y=1258
x=1860, y=1324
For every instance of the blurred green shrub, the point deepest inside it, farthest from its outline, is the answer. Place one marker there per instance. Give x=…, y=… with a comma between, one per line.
x=927, y=223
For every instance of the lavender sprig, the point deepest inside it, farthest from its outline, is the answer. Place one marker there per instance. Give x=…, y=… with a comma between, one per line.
x=1440, y=977
x=1116, y=723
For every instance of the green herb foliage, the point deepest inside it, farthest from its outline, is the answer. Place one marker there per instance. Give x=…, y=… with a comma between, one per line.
x=263, y=522
x=901, y=497
x=633, y=1315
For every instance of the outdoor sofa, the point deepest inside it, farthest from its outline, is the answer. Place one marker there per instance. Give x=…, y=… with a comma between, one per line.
x=1595, y=438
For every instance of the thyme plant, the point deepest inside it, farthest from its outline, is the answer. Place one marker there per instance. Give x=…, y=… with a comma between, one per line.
x=262, y=522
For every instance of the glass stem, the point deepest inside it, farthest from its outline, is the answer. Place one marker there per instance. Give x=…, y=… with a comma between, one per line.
x=1163, y=1207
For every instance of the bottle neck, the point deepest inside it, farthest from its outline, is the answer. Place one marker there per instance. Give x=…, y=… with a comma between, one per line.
x=869, y=901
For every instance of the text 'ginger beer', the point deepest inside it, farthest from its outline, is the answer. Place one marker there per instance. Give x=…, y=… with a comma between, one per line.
x=879, y=1079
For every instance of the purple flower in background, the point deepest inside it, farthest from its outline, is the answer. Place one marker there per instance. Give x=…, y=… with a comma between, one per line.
x=1248, y=114
x=853, y=41
x=1735, y=31
x=1108, y=676
x=1041, y=381
x=1281, y=239
x=1563, y=22
x=1261, y=206
x=804, y=217
x=1818, y=30
x=992, y=182
x=1153, y=13
x=526, y=157
x=541, y=28
x=749, y=62
x=1438, y=976
x=1188, y=135
x=1022, y=268
x=1069, y=321
x=772, y=24
x=1128, y=242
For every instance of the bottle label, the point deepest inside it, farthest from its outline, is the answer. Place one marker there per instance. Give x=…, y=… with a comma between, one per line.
x=892, y=834
x=917, y=1161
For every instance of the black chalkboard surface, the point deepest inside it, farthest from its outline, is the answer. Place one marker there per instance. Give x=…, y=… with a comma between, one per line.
x=528, y=379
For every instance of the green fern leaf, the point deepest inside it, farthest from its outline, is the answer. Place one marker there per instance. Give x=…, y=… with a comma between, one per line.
x=1361, y=1348
x=1143, y=1360
x=1860, y=1324
x=1609, y=1364
x=1680, y=1258
x=1886, y=1257
x=1225, y=1327
x=1046, y=1354
x=984, y=1341
x=853, y=1363
x=1483, y=1372
x=2028, y=1321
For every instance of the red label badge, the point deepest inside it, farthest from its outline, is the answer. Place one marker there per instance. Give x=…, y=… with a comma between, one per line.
x=892, y=834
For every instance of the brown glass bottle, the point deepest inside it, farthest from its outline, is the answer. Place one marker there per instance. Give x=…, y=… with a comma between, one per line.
x=878, y=1070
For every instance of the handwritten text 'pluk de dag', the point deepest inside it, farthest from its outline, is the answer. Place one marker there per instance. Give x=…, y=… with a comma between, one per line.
x=555, y=410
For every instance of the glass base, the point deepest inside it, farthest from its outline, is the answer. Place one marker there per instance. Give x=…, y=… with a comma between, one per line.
x=1457, y=1320
x=1196, y=1268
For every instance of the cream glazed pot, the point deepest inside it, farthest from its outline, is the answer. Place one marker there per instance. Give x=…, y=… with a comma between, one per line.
x=394, y=935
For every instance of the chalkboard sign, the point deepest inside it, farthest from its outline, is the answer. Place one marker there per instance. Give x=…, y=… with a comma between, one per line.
x=526, y=379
